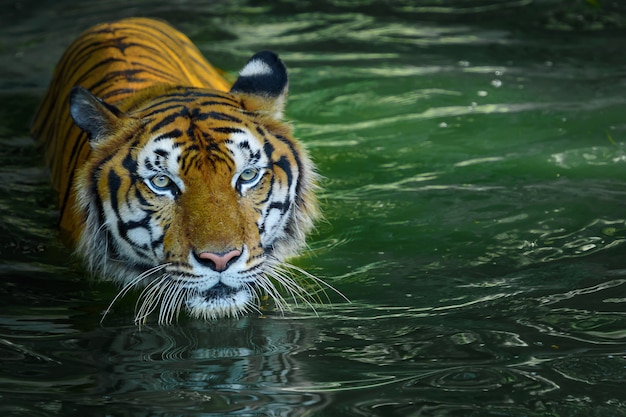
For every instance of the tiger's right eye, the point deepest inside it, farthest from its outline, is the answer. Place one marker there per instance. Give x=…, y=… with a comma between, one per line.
x=161, y=182
x=248, y=175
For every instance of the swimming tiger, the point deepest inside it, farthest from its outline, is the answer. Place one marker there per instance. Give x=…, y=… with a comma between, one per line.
x=170, y=179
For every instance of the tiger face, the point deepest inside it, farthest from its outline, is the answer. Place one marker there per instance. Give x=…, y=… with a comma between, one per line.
x=195, y=194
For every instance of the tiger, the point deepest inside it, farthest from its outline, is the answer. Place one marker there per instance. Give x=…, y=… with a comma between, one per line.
x=173, y=180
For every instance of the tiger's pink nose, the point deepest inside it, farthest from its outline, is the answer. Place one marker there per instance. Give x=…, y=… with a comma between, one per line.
x=218, y=261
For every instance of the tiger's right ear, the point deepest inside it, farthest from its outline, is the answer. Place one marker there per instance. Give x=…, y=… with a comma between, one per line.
x=92, y=114
x=264, y=79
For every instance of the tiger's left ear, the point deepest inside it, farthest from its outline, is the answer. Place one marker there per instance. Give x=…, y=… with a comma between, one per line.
x=264, y=79
x=93, y=115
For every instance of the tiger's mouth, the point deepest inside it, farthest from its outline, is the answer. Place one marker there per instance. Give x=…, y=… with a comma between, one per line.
x=220, y=291
x=221, y=300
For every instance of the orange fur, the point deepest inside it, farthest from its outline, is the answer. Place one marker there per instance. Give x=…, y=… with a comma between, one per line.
x=66, y=146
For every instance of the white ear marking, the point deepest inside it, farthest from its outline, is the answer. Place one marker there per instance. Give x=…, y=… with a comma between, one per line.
x=256, y=68
x=265, y=76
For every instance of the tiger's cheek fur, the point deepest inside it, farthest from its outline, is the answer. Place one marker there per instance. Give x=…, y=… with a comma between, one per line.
x=278, y=212
x=176, y=246
x=135, y=224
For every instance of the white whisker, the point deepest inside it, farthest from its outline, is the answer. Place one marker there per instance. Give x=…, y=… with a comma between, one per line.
x=295, y=291
x=171, y=302
x=286, y=275
x=319, y=282
x=130, y=285
x=255, y=303
x=271, y=290
x=166, y=308
x=149, y=298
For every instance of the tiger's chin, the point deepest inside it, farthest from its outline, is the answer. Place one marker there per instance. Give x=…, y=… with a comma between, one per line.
x=220, y=301
x=209, y=297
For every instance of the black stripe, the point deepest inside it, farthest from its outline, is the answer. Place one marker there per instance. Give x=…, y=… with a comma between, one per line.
x=76, y=149
x=219, y=103
x=283, y=163
x=165, y=121
x=282, y=206
x=223, y=116
x=187, y=95
x=172, y=134
x=268, y=148
x=296, y=156
x=158, y=242
x=142, y=200
x=229, y=130
x=116, y=92
x=128, y=75
x=114, y=182
x=131, y=166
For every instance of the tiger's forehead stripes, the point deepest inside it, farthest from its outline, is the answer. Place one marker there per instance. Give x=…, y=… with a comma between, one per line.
x=179, y=97
x=158, y=156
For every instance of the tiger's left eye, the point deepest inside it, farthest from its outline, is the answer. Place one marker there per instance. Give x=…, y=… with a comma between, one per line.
x=248, y=175
x=161, y=182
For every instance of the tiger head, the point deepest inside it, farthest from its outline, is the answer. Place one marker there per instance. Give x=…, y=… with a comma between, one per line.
x=197, y=195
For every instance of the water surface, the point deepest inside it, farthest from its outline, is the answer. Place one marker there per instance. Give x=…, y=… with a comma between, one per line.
x=474, y=163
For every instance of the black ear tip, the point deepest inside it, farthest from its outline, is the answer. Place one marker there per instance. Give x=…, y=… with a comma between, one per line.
x=265, y=55
x=75, y=93
x=77, y=89
x=270, y=57
x=264, y=74
x=92, y=114
x=78, y=97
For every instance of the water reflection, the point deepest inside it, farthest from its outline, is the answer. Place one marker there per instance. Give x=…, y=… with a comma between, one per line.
x=229, y=366
x=578, y=159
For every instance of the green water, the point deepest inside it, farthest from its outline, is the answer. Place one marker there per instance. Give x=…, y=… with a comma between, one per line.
x=474, y=163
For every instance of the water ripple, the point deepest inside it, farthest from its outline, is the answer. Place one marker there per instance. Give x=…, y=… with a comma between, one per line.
x=466, y=9
x=455, y=111
x=481, y=379
x=593, y=369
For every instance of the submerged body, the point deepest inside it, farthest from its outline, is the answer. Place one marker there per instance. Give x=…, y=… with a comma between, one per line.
x=168, y=178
